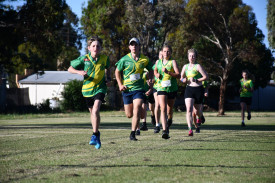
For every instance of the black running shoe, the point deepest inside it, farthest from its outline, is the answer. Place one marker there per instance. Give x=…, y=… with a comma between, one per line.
x=143, y=127
x=243, y=125
x=138, y=132
x=153, y=120
x=249, y=116
x=157, y=129
x=169, y=122
x=202, y=119
x=165, y=135
x=198, y=130
x=133, y=136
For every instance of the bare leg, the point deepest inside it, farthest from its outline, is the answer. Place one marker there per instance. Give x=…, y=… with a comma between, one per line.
x=170, y=105
x=189, y=102
x=137, y=103
x=163, y=112
x=95, y=116
x=128, y=110
x=157, y=108
x=243, y=107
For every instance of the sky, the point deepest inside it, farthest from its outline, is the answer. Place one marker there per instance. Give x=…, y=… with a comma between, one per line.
x=258, y=6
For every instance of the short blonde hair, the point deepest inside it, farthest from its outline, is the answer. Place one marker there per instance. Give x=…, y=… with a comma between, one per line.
x=192, y=50
x=92, y=39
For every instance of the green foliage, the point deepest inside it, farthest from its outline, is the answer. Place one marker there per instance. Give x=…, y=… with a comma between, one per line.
x=73, y=98
x=105, y=18
x=228, y=40
x=35, y=35
x=270, y=23
x=68, y=54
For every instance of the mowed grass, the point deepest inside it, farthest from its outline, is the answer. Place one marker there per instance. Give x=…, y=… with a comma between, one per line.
x=54, y=148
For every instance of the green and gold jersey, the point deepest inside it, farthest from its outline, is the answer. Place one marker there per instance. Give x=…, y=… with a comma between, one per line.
x=166, y=82
x=192, y=72
x=94, y=82
x=204, y=84
x=132, y=71
x=144, y=77
x=157, y=81
x=248, y=84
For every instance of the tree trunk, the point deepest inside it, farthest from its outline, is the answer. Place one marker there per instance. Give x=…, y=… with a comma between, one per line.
x=222, y=94
x=222, y=90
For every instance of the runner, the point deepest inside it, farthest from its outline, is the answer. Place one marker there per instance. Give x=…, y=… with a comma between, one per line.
x=166, y=70
x=246, y=92
x=94, y=68
x=193, y=74
x=128, y=74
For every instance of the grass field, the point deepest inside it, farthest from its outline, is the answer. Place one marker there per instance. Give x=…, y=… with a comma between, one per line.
x=54, y=148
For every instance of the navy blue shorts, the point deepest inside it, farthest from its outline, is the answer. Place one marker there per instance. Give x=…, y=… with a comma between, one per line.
x=91, y=100
x=128, y=97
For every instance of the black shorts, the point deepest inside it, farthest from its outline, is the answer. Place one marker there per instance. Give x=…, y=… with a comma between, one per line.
x=91, y=100
x=170, y=95
x=150, y=98
x=154, y=90
x=196, y=93
x=247, y=100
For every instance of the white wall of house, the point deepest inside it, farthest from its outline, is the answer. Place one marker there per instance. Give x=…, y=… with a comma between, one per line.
x=38, y=93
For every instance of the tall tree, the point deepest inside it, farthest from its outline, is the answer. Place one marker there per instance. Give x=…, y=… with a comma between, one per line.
x=151, y=21
x=270, y=23
x=104, y=18
x=225, y=32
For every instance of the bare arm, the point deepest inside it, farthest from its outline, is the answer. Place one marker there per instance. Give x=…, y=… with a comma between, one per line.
x=182, y=75
x=203, y=73
x=156, y=70
x=119, y=80
x=176, y=74
x=74, y=71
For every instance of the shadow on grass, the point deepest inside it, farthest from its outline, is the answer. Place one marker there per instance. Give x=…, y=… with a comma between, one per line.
x=157, y=166
x=127, y=125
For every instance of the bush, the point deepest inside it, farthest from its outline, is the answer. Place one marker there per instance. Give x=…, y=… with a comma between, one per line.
x=73, y=98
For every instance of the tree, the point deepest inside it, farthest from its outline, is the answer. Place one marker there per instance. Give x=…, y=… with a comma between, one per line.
x=270, y=23
x=151, y=21
x=34, y=36
x=225, y=33
x=104, y=18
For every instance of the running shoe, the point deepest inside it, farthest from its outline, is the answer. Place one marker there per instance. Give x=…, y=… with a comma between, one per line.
x=153, y=120
x=138, y=132
x=198, y=121
x=249, y=116
x=133, y=137
x=143, y=127
x=93, y=140
x=190, y=133
x=98, y=143
x=169, y=122
x=202, y=119
x=243, y=124
x=157, y=129
x=197, y=130
x=165, y=135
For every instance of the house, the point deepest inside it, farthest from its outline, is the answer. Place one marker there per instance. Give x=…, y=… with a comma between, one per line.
x=47, y=85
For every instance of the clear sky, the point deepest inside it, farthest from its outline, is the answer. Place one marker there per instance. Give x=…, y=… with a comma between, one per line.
x=259, y=8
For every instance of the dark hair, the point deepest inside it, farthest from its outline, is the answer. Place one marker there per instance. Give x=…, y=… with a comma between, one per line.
x=92, y=39
x=165, y=45
x=249, y=75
